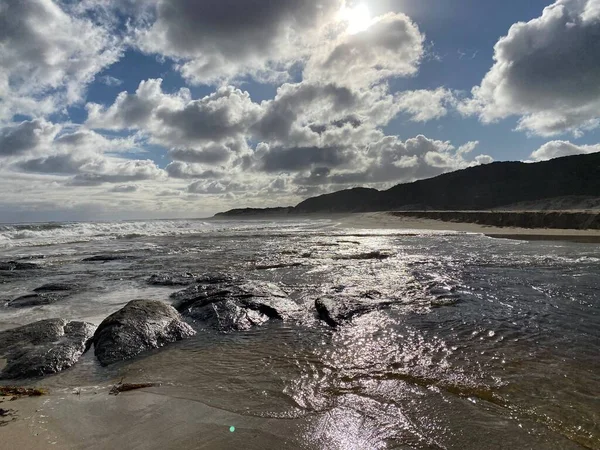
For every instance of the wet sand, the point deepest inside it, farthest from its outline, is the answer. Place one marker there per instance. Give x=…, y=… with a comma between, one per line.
x=149, y=419
x=388, y=221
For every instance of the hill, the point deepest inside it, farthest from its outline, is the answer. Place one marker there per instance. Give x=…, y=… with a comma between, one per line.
x=476, y=188
x=570, y=182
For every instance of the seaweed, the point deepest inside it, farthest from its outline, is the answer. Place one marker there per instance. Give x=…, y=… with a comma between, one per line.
x=15, y=392
x=7, y=413
x=126, y=387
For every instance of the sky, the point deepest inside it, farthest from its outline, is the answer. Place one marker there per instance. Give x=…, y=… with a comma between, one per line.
x=125, y=109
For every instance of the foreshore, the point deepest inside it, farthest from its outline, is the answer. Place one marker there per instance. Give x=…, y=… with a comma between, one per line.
x=400, y=221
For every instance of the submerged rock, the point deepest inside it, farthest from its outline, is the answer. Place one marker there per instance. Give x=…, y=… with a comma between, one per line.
x=43, y=347
x=108, y=258
x=56, y=287
x=172, y=279
x=376, y=254
x=38, y=299
x=235, y=306
x=139, y=326
x=15, y=265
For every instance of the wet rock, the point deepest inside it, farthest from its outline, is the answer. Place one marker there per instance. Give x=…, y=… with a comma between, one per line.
x=139, y=326
x=42, y=348
x=172, y=279
x=15, y=265
x=276, y=266
x=227, y=315
x=235, y=306
x=108, y=258
x=377, y=254
x=216, y=278
x=38, y=299
x=336, y=311
x=56, y=287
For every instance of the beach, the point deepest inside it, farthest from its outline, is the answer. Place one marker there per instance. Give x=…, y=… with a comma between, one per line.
x=404, y=334
x=389, y=221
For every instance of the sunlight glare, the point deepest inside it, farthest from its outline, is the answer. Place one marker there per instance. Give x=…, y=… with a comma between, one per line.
x=358, y=18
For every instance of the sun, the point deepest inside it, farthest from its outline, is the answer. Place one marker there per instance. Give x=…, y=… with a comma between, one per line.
x=358, y=18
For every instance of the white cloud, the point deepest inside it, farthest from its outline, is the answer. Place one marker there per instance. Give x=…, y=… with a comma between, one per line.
x=217, y=40
x=47, y=57
x=556, y=149
x=425, y=105
x=546, y=71
x=391, y=47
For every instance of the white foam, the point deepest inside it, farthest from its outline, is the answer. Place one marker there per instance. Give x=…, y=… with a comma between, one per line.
x=49, y=234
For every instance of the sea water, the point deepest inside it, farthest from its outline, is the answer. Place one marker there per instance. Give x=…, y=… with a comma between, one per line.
x=486, y=343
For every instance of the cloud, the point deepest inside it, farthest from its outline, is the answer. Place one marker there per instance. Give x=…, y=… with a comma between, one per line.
x=425, y=105
x=556, y=149
x=117, y=171
x=214, y=187
x=281, y=159
x=182, y=170
x=110, y=81
x=40, y=147
x=391, y=47
x=124, y=189
x=546, y=71
x=217, y=40
x=42, y=66
x=210, y=130
x=26, y=136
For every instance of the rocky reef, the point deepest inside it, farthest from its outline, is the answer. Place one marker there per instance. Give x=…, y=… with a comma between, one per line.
x=42, y=348
x=139, y=326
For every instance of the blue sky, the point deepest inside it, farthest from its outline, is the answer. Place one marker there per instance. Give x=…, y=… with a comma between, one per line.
x=119, y=109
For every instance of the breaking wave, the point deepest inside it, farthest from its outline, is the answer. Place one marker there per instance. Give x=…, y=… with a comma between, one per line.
x=42, y=234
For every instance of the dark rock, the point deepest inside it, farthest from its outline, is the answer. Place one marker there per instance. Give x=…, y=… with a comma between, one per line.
x=216, y=278
x=377, y=254
x=172, y=279
x=336, y=311
x=38, y=299
x=235, y=306
x=227, y=315
x=43, y=347
x=139, y=326
x=276, y=266
x=56, y=287
x=108, y=258
x=15, y=265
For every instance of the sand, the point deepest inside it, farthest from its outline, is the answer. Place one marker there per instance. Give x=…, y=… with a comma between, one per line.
x=387, y=221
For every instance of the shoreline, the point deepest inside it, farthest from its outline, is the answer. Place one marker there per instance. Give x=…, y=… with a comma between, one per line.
x=390, y=221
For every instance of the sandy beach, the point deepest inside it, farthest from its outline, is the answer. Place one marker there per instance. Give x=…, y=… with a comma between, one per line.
x=387, y=221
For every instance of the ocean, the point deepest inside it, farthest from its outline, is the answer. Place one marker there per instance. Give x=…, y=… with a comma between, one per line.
x=480, y=343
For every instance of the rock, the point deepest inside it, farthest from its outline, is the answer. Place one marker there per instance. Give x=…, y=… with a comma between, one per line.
x=56, y=287
x=38, y=299
x=235, y=306
x=139, y=326
x=172, y=279
x=336, y=311
x=15, y=265
x=42, y=348
x=377, y=254
x=227, y=315
x=108, y=258
x=216, y=278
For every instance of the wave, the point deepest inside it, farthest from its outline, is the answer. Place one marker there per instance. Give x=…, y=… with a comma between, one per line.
x=43, y=234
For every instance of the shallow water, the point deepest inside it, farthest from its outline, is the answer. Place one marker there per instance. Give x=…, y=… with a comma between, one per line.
x=488, y=343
